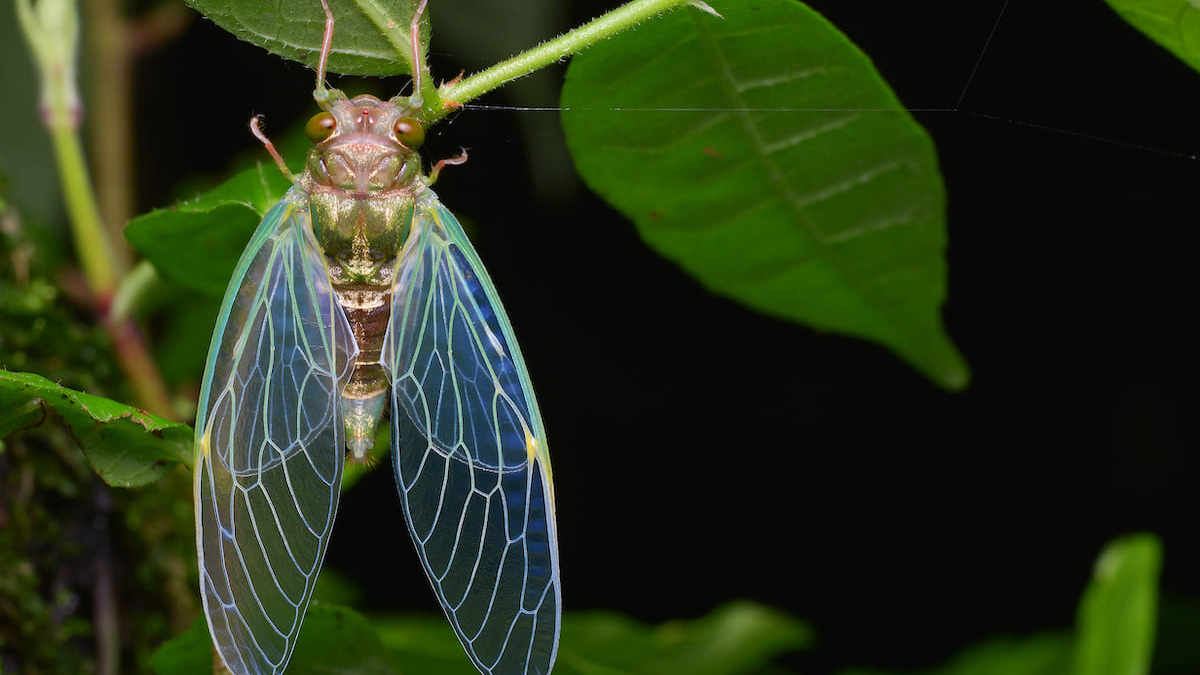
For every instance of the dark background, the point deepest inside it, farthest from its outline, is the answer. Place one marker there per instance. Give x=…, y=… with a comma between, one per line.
x=703, y=452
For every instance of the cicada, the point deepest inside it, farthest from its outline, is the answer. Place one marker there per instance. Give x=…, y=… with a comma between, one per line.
x=358, y=294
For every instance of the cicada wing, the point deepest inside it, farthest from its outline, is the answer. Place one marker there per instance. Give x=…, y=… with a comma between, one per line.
x=470, y=453
x=269, y=442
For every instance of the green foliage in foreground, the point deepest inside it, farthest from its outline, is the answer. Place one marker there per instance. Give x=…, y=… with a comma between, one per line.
x=737, y=638
x=1114, y=635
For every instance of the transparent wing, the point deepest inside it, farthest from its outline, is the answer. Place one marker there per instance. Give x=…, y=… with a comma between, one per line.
x=470, y=453
x=269, y=443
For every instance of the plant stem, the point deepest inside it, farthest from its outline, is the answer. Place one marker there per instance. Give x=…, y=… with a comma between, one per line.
x=111, y=115
x=91, y=241
x=52, y=30
x=606, y=26
x=148, y=387
x=140, y=280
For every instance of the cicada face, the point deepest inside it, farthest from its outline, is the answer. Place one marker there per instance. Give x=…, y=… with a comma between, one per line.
x=361, y=178
x=359, y=148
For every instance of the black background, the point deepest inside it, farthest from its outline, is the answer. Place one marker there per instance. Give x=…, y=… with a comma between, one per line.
x=703, y=452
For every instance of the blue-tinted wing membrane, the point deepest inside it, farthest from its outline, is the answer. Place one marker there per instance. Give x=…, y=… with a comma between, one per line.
x=269, y=442
x=470, y=453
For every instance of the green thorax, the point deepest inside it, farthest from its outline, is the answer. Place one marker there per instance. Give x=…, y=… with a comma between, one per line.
x=362, y=180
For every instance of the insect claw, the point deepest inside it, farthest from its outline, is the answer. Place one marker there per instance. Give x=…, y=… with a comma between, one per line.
x=453, y=82
x=283, y=168
x=453, y=161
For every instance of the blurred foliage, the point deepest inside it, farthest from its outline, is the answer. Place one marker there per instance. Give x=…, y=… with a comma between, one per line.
x=740, y=637
x=43, y=330
x=68, y=543
x=1173, y=24
x=45, y=518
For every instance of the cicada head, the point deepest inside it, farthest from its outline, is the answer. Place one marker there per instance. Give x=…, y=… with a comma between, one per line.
x=362, y=176
x=364, y=145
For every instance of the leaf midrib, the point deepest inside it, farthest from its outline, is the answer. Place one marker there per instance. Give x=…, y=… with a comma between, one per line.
x=758, y=145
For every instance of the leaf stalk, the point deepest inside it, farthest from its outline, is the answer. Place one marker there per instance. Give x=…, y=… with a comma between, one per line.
x=620, y=19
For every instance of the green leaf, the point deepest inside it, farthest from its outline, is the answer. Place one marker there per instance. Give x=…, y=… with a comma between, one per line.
x=188, y=652
x=1116, y=621
x=735, y=638
x=338, y=640
x=1043, y=654
x=424, y=644
x=333, y=641
x=1173, y=24
x=197, y=243
x=127, y=447
x=765, y=156
x=371, y=36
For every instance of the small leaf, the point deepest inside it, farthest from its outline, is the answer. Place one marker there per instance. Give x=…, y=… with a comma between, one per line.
x=127, y=447
x=1116, y=622
x=371, y=37
x=334, y=640
x=1042, y=654
x=190, y=652
x=1173, y=24
x=736, y=638
x=764, y=154
x=197, y=243
x=338, y=640
x=424, y=644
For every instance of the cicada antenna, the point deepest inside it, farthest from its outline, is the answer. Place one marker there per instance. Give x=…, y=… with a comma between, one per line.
x=443, y=163
x=258, y=133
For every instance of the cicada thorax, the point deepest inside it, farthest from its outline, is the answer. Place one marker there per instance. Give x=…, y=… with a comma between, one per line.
x=362, y=180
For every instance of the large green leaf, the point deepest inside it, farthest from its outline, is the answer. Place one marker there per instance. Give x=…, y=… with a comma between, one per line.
x=1174, y=24
x=1116, y=622
x=765, y=156
x=127, y=447
x=197, y=243
x=736, y=638
x=334, y=641
x=370, y=38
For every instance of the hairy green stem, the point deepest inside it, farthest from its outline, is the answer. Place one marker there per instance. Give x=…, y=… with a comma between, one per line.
x=606, y=26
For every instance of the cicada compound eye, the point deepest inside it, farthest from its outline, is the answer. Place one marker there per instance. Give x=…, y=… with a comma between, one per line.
x=319, y=127
x=409, y=132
